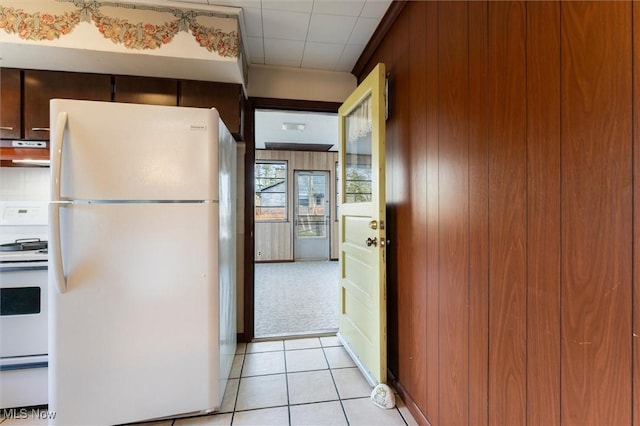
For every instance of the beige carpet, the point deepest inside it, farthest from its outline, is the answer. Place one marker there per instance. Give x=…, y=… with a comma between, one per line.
x=296, y=298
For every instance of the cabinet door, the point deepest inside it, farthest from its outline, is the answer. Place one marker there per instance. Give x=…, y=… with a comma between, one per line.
x=9, y=103
x=42, y=86
x=146, y=90
x=225, y=97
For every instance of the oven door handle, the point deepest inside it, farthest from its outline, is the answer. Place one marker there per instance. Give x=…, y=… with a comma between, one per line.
x=56, y=201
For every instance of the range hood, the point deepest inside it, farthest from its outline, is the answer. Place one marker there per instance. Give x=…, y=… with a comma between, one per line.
x=24, y=152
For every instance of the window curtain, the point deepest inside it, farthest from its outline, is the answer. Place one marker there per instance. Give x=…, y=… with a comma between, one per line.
x=359, y=121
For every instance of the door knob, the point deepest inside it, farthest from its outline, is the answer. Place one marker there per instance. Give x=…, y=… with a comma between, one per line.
x=373, y=242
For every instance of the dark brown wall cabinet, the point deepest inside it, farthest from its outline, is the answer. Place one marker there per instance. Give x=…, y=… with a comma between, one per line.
x=146, y=90
x=513, y=156
x=226, y=97
x=42, y=86
x=10, y=125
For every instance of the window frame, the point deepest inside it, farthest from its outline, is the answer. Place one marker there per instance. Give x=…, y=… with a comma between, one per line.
x=285, y=180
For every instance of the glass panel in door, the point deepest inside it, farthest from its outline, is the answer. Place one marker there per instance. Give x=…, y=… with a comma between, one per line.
x=357, y=153
x=312, y=215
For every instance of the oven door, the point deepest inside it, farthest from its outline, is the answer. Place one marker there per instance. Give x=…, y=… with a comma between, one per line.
x=23, y=310
x=23, y=334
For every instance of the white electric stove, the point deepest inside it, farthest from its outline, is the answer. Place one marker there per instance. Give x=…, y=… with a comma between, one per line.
x=23, y=304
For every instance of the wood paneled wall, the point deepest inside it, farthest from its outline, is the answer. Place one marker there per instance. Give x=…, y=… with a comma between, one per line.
x=596, y=249
x=636, y=216
x=513, y=182
x=274, y=240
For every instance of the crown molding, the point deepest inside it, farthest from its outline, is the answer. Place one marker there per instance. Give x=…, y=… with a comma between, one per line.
x=383, y=28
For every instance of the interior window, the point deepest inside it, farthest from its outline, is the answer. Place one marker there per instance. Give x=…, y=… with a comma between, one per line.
x=271, y=191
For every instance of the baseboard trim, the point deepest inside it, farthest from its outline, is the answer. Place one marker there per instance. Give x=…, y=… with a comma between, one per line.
x=408, y=401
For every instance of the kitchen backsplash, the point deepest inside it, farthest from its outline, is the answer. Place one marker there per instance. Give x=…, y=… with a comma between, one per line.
x=24, y=183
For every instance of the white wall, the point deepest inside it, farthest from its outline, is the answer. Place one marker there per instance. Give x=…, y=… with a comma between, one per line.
x=293, y=83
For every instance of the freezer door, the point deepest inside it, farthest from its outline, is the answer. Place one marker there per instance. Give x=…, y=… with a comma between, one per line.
x=117, y=151
x=135, y=335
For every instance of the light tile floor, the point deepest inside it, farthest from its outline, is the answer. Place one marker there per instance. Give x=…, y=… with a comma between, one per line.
x=306, y=381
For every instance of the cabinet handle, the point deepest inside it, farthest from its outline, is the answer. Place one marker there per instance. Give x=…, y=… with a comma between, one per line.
x=6, y=128
x=40, y=129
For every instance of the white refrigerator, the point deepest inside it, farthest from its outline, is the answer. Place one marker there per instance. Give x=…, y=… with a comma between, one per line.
x=142, y=308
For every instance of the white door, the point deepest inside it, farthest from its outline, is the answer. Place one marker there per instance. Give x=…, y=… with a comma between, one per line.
x=362, y=226
x=312, y=215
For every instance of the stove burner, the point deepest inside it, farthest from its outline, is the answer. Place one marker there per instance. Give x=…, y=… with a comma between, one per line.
x=25, y=244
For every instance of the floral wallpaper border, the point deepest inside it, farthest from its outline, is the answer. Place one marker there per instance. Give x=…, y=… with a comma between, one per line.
x=133, y=35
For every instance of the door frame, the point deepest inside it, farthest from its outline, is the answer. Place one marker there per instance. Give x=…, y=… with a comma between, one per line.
x=249, y=161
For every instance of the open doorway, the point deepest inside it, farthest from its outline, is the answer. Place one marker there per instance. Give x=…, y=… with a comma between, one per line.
x=295, y=228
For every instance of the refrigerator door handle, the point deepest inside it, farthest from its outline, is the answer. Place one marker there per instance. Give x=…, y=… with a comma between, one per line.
x=54, y=207
x=56, y=155
x=55, y=248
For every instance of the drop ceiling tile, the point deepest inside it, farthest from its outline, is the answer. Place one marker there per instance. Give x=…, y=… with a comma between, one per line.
x=343, y=67
x=349, y=57
x=375, y=8
x=330, y=28
x=256, y=48
x=324, y=56
x=283, y=52
x=253, y=22
x=341, y=7
x=288, y=5
x=363, y=30
x=285, y=25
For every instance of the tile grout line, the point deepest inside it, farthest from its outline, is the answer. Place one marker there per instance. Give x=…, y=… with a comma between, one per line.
x=235, y=402
x=286, y=380
x=333, y=379
x=402, y=416
x=286, y=373
x=262, y=375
